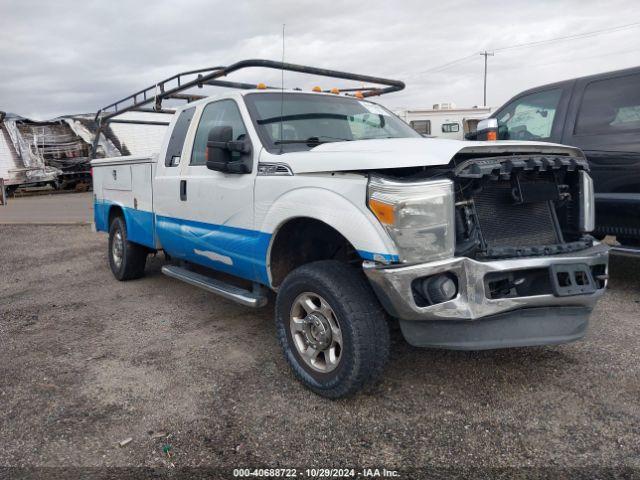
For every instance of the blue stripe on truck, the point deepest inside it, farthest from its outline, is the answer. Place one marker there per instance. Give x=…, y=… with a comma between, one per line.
x=140, y=226
x=386, y=257
x=238, y=251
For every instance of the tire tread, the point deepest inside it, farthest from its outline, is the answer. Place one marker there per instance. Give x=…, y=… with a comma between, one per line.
x=371, y=341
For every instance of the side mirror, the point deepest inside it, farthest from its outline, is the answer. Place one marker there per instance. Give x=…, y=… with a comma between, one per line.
x=220, y=149
x=487, y=129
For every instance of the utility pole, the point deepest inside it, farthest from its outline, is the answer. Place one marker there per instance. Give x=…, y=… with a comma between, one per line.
x=485, y=54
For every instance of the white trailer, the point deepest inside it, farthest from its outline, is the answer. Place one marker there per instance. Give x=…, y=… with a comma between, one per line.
x=444, y=120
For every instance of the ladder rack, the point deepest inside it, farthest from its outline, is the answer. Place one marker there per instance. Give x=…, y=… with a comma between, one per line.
x=173, y=88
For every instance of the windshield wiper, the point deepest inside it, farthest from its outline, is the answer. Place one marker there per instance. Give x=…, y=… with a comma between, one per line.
x=378, y=136
x=312, y=141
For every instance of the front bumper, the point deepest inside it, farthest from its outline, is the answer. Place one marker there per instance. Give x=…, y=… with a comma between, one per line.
x=393, y=286
x=520, y=328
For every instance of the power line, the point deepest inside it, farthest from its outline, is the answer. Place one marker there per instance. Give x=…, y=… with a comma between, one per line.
x=448, y=64
x=604, y=31
x=576, y=36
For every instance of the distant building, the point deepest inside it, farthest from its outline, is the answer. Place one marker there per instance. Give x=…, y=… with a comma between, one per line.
x=444, y=120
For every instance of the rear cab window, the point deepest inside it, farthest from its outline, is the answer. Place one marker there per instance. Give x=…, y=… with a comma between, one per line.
x=178, y=134
x=610, y=106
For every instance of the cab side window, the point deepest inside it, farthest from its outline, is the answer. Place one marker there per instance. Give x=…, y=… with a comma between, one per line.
x=178, y=134
x=529, y=117
x=610, y=106
x=223, y=112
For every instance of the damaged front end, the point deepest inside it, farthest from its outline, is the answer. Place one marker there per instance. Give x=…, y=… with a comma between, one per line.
x=522, y=206
x=525, y=270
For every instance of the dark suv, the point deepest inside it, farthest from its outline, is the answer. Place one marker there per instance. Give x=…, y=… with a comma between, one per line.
x=599, y=114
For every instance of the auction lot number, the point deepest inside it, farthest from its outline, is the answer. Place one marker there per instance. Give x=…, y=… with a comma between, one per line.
x=315, y=472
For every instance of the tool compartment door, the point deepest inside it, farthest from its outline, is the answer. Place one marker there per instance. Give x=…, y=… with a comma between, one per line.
x=117, y=177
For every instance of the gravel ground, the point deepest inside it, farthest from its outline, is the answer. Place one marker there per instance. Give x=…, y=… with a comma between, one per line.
x=88, y=361
x=58, y=208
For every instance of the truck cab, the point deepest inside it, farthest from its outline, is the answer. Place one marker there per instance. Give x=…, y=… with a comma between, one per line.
x=350, y=218
x=600, y=114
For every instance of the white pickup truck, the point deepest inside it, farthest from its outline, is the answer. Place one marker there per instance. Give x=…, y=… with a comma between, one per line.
x=353, y=218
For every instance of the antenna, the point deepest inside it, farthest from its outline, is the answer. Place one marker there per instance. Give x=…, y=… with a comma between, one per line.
x=282, y=93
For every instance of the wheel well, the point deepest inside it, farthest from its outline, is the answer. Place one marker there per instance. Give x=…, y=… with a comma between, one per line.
x=115, y=211
x=305, y=240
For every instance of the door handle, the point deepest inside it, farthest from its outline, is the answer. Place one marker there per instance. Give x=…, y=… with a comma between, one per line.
x=183, y=190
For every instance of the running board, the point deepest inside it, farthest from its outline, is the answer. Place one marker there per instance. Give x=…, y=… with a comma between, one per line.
x=626, y=251
x=225, y=290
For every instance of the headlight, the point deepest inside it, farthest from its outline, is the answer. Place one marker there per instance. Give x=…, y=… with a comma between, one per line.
x=417, y=215
x=587, y=203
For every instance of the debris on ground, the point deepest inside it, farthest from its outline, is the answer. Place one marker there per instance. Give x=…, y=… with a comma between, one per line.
x=166, y=449
x=125, y=442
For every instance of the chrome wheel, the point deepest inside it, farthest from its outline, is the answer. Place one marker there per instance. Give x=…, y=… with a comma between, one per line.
x=117, y=248
x=316, y=332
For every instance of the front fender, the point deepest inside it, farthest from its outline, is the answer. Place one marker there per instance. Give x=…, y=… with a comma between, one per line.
x=356, y=223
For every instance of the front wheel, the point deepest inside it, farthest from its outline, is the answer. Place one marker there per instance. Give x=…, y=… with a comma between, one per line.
x=332, y=330
x=126, y=259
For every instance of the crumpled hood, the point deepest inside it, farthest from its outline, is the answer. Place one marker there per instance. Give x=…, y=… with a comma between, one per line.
x=404, y=152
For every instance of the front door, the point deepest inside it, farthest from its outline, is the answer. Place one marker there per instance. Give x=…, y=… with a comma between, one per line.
x=214, y=227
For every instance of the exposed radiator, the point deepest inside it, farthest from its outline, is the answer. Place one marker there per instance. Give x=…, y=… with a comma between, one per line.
x=506, y=224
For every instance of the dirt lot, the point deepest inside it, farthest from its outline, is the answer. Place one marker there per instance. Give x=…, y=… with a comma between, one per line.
x=60, y=208
x=88, y=361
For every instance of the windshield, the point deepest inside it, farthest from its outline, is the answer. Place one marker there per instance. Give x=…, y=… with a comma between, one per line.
x=294, y=121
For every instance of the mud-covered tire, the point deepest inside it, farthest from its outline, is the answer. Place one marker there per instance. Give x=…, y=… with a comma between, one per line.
x=132, y=256
x=363, y=327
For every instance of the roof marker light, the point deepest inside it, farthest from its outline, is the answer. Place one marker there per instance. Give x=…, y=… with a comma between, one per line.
x=316, y=89
x=359, y=94
x=335, y=90
x=261, y=86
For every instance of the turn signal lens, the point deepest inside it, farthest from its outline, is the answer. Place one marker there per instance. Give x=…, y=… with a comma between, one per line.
x=316, y=89
x=383, y=211
x=492, y=135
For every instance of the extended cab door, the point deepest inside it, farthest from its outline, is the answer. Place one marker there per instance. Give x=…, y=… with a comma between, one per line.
x=214, y=224
x=166, y=181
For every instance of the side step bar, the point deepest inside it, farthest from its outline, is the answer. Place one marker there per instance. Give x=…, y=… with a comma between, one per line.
x=225, y=290
x=626, y=251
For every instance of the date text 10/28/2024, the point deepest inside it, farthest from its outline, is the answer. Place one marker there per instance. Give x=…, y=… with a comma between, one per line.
x=315, y=473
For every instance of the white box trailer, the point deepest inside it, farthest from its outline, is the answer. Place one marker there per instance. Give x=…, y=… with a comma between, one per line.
x=444, y=120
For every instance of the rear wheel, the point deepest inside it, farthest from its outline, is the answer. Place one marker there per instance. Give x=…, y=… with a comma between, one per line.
x=332, y=330
x=126, y=259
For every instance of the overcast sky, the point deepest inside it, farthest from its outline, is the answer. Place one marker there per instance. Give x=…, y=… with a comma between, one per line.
x=60, y=57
